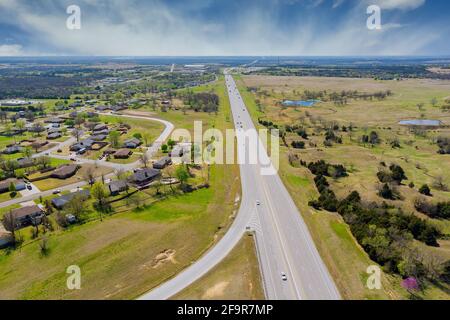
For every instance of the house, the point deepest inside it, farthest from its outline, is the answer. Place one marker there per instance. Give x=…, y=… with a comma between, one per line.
x=76, y=105
x=132, y=143
x=117, y=187
x=100, y=127
x=99, y=137
x=61, y=201
x=162, y=163
x=143, y=177
x=180, y=149
x=55, y=120
x=53, y=130
x=26, y=216
x=73, y=115
x=65, y=171
x=85, y=144
x=123, y=154
x=102, y=108
x=18, y=184
x=25, y=162
x=12, y=149
x=53, y=136
x=118, y=108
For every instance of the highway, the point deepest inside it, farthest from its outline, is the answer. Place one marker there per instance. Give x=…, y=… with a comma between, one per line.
x=284, y=245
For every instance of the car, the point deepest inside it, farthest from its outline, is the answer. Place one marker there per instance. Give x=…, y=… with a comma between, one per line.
x=283, y=276
x=59, y=150
x=73, y=159
x=258, y=203
x=29, y=187
x=57, y=191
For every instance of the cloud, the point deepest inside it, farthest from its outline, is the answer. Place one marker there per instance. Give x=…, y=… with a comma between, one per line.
x=400, y=4
x=198, y=27
x=10, y=50
x=337, y=3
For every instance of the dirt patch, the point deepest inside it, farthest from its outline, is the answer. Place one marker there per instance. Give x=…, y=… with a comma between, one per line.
x=161, y=259
x=216, y=291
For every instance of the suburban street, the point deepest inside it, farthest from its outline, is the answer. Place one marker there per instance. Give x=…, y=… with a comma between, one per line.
x=168, y=128
x=284, y=244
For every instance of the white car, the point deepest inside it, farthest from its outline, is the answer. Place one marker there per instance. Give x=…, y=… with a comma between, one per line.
x=258, y=203
x=283, y=276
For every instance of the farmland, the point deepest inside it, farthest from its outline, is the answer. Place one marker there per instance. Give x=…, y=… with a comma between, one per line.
x=417, y=155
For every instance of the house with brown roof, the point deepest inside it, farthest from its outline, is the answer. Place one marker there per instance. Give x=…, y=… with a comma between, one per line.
x=143, y=177
x=116, y=187
x=65, y=171
x=5, y=184
x=123, y=154
x=27, y=216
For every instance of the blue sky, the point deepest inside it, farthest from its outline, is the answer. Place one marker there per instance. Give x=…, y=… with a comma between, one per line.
x=224, y=27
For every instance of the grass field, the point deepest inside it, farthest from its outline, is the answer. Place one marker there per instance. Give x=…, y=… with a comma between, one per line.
x=51, y=183
x=129, y=253
x=345, y=259
x=235, y=278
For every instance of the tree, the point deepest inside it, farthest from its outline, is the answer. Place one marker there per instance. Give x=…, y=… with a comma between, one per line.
x=36, y=145
x=434, y=102
x=171, y=143
x=89, y=175
x=439, y=183
x=77, y=206
x=373, y=138
x=12, y=189
x=425, y=190
x=79, y=120
x=43, y=162
x=76, y=133
x=114, y=139
x=182, y=175
x=146, y=137
x=386, y=192
x=144, y=159
x=164, y=148
x=397, y=173
x=20, y=124
x=37, y=128
x=27, y=153
x=10, y=224
x=99, y=193
x=134, y=200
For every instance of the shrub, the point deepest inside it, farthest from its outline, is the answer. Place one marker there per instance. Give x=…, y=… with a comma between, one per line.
x=425, y=190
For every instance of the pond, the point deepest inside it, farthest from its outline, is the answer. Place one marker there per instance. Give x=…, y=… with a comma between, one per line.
x=300, y=103
x=425, y=123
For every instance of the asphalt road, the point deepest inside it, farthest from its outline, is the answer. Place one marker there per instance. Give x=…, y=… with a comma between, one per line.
x=284, y=244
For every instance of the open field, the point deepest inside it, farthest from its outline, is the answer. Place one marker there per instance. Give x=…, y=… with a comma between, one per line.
x=417, y=155
x=128, y=253
x=235, y=278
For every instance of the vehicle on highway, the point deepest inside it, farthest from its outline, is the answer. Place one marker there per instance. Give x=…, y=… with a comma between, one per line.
x=283, y=276
x=258, y=203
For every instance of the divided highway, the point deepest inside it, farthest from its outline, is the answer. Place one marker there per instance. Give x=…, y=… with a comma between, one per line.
x=291, y=266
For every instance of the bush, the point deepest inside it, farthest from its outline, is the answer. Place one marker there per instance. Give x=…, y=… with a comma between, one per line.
x=298, y=144
x=425, y=190
x=386, y=192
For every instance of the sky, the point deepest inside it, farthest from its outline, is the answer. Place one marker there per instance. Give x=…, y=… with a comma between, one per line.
x=224, y=28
